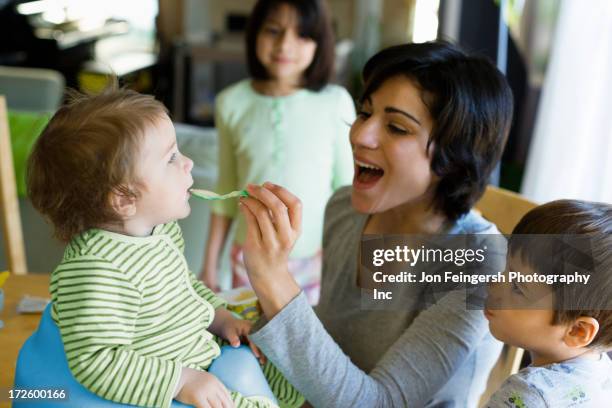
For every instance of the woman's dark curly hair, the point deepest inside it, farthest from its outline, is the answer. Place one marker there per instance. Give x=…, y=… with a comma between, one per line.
x=471, y=105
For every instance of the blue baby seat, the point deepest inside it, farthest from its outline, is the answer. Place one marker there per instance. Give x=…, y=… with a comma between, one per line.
x=42, y=364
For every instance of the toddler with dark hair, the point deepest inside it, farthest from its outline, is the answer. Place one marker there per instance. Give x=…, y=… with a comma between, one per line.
x=567, y=328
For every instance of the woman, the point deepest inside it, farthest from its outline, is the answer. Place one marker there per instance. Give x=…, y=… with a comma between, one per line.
x=431, y=126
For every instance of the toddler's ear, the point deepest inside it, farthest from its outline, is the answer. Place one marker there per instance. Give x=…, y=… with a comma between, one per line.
x=581, y=332
x=123, y=204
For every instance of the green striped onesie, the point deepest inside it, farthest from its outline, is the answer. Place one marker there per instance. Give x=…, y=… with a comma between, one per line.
x=131, y=315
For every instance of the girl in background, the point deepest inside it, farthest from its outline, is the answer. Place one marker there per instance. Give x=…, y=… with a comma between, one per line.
x=286, y=124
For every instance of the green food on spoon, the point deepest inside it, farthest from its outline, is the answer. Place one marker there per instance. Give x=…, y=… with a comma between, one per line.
x=211, y=195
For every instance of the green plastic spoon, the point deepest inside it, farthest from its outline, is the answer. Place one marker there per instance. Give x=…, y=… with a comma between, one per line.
x=211, y=195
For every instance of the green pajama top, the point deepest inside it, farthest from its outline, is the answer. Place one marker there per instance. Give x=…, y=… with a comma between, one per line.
x=131, y=315
x=299, y=141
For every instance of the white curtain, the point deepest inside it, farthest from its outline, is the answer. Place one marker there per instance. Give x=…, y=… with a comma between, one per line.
x=571, y=151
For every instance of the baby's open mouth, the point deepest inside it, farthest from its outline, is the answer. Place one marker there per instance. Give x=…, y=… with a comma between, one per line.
x=367, y=173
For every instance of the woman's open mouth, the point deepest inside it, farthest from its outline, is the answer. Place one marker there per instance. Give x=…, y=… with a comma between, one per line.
x=366, y=174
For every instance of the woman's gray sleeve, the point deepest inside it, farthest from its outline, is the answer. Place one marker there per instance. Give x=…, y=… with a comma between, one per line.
x=418, y=364
x=300, y=347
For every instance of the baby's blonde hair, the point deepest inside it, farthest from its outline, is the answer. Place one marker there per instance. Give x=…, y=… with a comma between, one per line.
x=86, y=152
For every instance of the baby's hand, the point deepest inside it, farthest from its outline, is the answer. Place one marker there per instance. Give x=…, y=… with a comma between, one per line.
x=235, y=329
x=202, y=390
x=226, y=326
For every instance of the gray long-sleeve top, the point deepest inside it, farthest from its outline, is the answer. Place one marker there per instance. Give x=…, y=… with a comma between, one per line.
x=437, y=357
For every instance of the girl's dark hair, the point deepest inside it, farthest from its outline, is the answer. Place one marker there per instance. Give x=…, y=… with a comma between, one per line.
x=471, y=106
x=314, y=23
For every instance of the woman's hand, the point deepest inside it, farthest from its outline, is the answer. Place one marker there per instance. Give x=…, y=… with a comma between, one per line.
x=274, y=219
x=202, y=390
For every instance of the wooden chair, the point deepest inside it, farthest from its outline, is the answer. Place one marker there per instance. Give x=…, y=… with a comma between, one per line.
x=505, y=209
x=9, y=204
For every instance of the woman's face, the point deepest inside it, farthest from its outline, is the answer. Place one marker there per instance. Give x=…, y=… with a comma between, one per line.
x=280, y=49
x=389, y=141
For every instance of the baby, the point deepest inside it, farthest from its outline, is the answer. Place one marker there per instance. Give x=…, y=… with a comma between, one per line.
x=566, y=328
x=137, y=327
